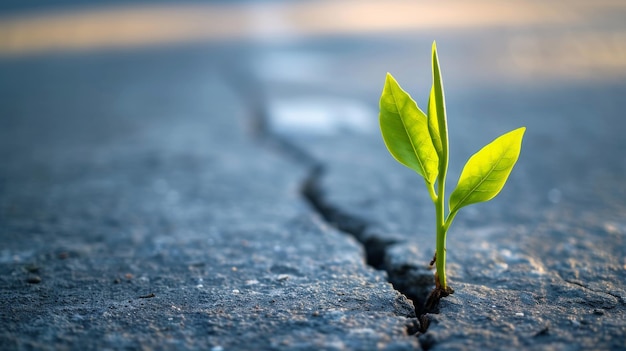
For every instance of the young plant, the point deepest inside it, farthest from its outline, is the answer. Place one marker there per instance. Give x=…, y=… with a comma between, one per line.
x=419, y=141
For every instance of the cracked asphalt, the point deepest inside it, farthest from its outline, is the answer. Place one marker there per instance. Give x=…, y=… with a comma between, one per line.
x=229, y=195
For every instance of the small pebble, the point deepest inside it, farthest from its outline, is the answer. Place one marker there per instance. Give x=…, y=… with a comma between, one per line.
x=519, y=314
x=34, y=279
x=598, y=311
x=282, y=277
x=235, y=291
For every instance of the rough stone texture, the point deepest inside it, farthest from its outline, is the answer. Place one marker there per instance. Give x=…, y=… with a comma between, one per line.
x=137, y=212
x=540, y=267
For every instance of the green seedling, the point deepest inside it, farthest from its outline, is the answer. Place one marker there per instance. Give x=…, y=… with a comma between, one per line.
x=419, y=141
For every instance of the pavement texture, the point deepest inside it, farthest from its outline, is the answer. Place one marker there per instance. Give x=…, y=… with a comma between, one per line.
x=239, y=197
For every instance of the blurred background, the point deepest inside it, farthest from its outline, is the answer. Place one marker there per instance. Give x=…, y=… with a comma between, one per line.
x=519, y=40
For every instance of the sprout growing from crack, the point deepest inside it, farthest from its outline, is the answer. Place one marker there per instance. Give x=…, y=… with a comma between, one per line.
x=419, y=141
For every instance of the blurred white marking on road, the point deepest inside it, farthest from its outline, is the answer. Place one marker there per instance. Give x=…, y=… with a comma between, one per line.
x=320, y=116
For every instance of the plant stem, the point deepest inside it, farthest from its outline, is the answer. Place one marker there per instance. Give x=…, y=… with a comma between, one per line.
x=441, y=234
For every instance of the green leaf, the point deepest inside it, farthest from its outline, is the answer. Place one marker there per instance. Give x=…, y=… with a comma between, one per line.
x=405, y=131
x=487, y=170
x=437, y=121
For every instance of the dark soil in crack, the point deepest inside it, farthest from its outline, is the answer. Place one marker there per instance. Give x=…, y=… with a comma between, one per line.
x=375, y=249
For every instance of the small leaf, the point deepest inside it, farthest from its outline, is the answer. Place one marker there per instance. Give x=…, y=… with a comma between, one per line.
x=437, y=121
x=405, y=131
x=487, y=170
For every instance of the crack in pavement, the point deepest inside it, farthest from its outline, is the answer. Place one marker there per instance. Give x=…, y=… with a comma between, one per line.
x=403, y=277
x=375, y=247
